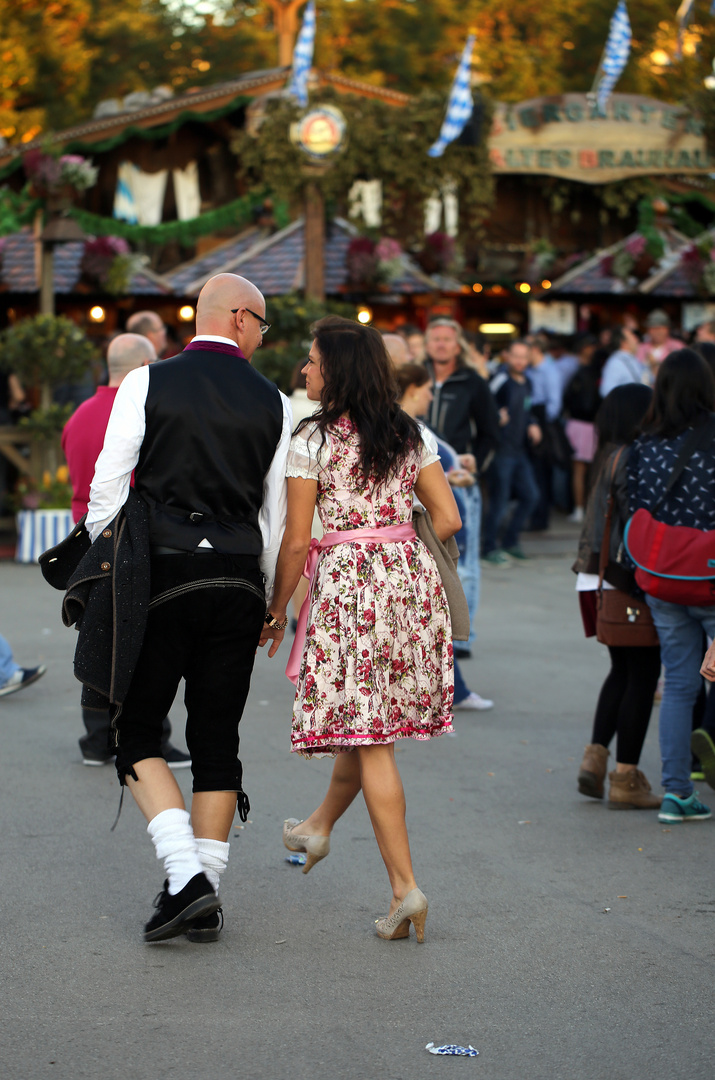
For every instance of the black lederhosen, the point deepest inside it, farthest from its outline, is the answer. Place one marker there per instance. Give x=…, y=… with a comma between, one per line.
x=205, y=618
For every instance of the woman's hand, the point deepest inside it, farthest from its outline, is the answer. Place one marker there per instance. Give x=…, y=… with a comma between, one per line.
x=460, y=478
x=269, y=633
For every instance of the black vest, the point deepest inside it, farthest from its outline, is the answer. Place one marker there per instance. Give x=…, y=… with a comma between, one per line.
x=212, y=427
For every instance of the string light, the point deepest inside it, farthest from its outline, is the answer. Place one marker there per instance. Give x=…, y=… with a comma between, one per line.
x=497, y=328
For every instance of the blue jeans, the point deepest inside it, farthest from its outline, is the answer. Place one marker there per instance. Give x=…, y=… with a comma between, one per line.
x=8, y=667
x=468, y=567
x=680, y=630
x=461, y=690
x=509, y=475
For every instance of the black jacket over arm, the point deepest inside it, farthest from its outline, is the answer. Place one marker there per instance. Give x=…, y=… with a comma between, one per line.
x=107, y=599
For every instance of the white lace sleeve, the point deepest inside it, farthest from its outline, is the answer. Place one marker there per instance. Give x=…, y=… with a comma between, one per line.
x=305, y=454
x=430, y=453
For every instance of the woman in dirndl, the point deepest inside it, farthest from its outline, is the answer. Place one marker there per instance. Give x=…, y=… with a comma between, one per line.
x=372, y=659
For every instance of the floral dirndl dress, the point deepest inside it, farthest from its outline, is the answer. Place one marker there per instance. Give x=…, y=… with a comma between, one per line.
x=377, y=665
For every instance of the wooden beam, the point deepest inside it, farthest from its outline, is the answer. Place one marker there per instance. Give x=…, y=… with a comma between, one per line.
x=285, y=14
x=314, y=242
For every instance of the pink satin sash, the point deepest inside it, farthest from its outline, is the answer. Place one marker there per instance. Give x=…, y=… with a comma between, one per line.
x=388, y=534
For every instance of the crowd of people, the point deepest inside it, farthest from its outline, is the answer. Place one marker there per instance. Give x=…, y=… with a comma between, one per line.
x=213, y=547
x=611, y=414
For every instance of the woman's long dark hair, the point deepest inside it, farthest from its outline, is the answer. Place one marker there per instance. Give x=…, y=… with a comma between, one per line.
x=619, y=419
x=683, y=395
x=358, y=380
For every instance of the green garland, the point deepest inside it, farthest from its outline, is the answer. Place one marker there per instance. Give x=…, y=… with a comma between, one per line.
x=16, y=210
x=233, y=215
x=382, y=141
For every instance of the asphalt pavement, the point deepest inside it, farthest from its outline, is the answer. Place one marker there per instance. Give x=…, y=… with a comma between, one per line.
x=564, y=941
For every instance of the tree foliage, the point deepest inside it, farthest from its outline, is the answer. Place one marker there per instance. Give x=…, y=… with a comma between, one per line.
x=60, y=57
x=383, y=142
x=46, y=350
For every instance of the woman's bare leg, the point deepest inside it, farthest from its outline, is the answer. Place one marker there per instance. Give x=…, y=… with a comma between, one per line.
x=385, y=800
x=344, y=786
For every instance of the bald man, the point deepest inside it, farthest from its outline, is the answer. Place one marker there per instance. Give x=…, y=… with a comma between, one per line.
x=82, y=441
x=207, y=438
x=83, y=436
x=149, y=325
x=397, y=349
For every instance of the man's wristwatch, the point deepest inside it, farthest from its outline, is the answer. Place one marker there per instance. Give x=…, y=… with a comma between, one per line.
x=274, y=623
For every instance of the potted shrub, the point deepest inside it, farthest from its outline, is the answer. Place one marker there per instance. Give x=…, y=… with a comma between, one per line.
x=45, y=351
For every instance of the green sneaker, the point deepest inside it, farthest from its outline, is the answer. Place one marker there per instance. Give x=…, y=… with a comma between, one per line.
x=673, y=809
x=497, y=558
x=703, y=747
x=697, y=777
x=517, y=553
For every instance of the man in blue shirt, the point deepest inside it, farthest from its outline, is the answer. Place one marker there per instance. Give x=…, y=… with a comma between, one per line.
x=546, y=403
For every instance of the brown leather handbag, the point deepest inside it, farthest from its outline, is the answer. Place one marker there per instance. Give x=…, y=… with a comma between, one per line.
x=621, y=619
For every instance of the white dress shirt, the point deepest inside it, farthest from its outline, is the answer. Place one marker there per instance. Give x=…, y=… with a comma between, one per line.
x=119, y=457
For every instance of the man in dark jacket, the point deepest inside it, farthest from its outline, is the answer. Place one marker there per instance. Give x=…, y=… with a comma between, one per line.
x=207, y=438
x=464, y=415
x=511, y=474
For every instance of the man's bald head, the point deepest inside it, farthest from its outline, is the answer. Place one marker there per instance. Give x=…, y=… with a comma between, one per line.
x=397, y=349
x=149, y=325
x=231, y=306
x=126, y=352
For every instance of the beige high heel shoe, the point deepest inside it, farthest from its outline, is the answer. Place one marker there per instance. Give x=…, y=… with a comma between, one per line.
x=315, y=847
x=413, y=909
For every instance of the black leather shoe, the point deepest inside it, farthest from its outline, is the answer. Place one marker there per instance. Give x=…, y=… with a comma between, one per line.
x=175, y=914
x=207, y=928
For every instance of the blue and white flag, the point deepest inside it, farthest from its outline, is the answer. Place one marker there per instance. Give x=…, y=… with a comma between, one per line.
x=303, y=57
x=615, y=55
x=460, y=104
x=683, y=15
x=125, y=207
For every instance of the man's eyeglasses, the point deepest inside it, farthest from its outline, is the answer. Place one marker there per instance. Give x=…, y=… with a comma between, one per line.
x=265, y=326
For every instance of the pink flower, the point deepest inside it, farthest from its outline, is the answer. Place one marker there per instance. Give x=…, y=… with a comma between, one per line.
x=635, y=245
x=388, y=249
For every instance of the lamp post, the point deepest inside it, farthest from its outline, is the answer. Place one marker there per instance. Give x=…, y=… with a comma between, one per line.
x=286, y=22
x=59, y=229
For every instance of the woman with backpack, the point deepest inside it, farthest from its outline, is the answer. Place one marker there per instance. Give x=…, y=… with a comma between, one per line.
x=671, y=471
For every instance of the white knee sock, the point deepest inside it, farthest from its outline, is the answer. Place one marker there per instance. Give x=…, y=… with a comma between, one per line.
x=175, y=844
x=214, y=858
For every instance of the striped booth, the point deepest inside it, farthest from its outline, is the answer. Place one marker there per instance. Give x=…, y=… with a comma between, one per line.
x=38, y=530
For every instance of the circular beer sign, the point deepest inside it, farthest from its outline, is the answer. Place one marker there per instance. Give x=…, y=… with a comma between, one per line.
x=320, y=133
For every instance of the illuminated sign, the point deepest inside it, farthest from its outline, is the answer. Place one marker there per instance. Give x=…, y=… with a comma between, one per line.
x=569, y=136
x=321, y=132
